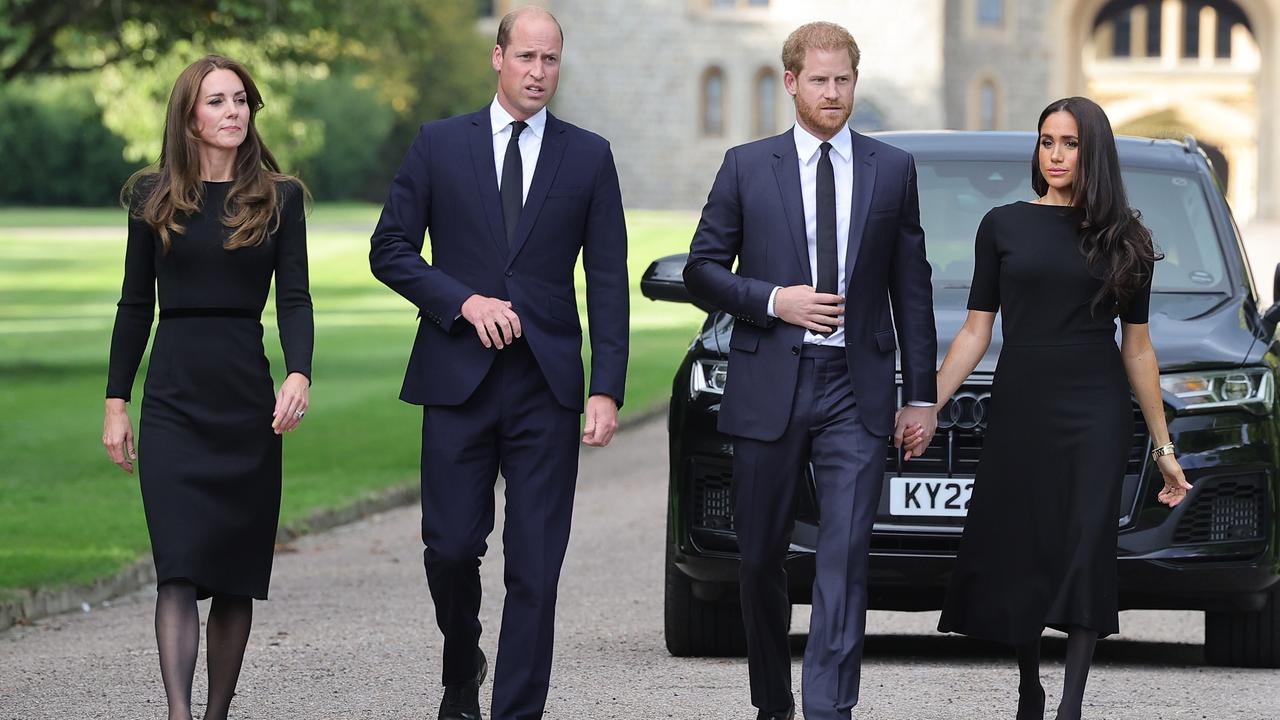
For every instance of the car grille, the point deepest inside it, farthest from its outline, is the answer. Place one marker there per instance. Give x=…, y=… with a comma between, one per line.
x=712, y=501
x=1223, y=510
x=962, y=426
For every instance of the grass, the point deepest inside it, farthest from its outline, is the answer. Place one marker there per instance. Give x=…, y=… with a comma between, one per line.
x=68, y=516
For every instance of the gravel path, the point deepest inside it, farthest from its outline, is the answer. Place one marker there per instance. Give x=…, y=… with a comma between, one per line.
x=349, y=634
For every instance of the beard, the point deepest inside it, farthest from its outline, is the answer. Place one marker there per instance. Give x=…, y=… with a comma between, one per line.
x=814, y=117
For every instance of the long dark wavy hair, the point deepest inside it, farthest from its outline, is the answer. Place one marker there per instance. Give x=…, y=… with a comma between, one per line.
x=1116, y=244
x=166, y=194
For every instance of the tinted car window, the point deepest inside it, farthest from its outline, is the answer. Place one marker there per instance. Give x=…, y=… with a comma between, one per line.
x=954, y=195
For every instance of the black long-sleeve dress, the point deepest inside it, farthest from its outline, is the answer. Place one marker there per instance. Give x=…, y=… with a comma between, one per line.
x=208, y=459
x=1039, y=545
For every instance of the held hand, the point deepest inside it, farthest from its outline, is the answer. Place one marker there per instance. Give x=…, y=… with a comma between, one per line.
x=602, y=421
x=292, y=401
x=800, y=305
x=495, y=322
x=117, y=435
x=914, y=428
x=1175, y=483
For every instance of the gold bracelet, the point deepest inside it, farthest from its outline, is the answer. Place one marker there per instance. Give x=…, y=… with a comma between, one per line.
x=1165, y=449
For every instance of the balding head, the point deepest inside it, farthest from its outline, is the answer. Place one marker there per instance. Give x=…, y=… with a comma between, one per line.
x=508, y=23
x=527, y=60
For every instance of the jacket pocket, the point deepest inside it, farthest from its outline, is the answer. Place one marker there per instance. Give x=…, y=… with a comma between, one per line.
x=886, y=341
x=563, y=310
x=744, y=340
x=568, y=191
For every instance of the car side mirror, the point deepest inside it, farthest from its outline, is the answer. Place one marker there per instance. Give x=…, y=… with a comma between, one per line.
x=1272, y=315
x=664, y=280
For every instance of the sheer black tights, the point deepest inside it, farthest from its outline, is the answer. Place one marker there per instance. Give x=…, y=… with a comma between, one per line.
x=178, y=638
x=1080, y=645
x=230, y=619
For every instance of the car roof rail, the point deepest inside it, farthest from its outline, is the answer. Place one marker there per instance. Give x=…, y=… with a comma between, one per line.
x=1189, y=144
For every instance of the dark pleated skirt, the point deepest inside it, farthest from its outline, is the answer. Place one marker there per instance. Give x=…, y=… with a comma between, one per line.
x=208, y=460
x=1039, y=546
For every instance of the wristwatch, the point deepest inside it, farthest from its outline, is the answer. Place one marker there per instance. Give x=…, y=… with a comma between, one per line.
x=1166, y=449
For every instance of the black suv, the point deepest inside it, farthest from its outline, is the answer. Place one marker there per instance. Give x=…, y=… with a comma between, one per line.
x=1218, y=352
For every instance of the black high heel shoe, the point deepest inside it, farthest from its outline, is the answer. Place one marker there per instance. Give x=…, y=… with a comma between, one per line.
x=1031, y=703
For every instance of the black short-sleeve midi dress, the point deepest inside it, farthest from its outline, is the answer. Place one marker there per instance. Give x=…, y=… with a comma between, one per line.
x=208, y=459
x=1039, y=545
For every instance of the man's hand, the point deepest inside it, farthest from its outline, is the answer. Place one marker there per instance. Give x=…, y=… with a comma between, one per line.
x=800, y=305
x=914, y=429
x=602, y=421
x=495, y=322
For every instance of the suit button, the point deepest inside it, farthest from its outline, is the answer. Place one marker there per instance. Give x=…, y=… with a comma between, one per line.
x=795, y=349
x=509, y=273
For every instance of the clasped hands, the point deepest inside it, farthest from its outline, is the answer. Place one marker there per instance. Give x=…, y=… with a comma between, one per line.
x=497, y=326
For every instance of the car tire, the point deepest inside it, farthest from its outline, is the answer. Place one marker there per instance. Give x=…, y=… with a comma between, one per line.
x=1244, y=639
x=699, y=628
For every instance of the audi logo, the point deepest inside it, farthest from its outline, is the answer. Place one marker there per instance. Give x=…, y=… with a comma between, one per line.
x=966, y=411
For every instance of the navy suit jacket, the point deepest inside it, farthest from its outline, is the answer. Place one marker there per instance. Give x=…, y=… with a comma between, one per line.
x=447, y=184
x=755, y=215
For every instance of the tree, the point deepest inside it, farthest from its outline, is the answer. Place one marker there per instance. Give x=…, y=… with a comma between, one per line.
x=39, y=37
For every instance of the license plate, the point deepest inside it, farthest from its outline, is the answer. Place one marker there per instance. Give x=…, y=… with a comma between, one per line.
x=931, y=497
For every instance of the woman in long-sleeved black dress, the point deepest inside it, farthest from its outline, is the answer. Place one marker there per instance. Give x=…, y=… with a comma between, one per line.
x=207, y=230
x=1039, y=547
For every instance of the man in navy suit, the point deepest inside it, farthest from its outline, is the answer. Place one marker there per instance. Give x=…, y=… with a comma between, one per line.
x=510, y=195
x=824, y=224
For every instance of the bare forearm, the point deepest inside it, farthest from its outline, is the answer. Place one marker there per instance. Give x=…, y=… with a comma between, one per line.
x=963, y=357
x=1144, y=377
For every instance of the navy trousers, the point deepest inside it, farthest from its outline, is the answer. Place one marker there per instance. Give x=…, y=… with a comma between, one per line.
x=511, y=425
x=848, y=468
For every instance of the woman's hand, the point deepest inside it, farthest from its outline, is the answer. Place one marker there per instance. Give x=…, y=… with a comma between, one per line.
x=291, y=403
x=1175, y=483
x=117, y=435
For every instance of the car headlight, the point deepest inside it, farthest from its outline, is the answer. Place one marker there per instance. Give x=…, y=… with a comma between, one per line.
x=708, y=376
x=1251, y=389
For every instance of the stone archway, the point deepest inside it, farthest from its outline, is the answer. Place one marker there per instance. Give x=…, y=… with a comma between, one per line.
x=1232, y=107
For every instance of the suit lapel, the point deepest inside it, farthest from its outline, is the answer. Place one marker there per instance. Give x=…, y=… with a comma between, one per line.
x=553, y=143
x=786, y=169
x=480, y=139
x=864, y=184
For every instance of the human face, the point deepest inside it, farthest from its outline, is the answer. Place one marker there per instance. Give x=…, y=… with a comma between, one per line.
x=529, y=70
x=1059, y=153
x=823, y=91
x=222, y=110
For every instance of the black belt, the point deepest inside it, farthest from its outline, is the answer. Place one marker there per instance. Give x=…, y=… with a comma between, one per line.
x=243, y=313
x=826, y=352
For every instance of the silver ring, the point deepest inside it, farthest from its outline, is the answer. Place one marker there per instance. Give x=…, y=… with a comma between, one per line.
x=299, y=413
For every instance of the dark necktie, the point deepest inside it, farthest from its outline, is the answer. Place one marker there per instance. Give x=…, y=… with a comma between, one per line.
x=828, y=259
x=512, y=190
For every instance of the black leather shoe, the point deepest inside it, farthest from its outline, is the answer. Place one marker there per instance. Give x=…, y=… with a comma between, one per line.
x=1031, y=703
x=462, y=701
x=788, y=714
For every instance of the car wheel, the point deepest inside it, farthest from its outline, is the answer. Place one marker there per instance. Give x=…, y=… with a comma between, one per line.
x=1244, y=639
x=699, y=628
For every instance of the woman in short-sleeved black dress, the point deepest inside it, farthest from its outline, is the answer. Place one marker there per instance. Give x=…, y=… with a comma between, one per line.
x=1039, y=547
x=207, y=231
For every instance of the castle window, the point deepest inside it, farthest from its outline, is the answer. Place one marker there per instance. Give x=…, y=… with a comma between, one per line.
x=766, y=116
x=713, y=101
x=991, y=12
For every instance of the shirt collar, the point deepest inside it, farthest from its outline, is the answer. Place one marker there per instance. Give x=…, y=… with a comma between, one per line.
x=807, y=145
x=499, y=119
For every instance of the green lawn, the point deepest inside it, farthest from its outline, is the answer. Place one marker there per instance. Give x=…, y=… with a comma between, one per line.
x=68, y=516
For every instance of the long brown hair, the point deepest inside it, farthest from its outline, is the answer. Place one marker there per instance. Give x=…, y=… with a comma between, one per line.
x=172, y=190
x=1116, y=244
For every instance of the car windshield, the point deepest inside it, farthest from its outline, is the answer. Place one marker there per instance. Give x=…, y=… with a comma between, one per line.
x=954, y=195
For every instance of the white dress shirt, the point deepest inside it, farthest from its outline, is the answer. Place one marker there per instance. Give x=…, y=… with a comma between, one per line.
x=808, y=150
x=530, y=142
